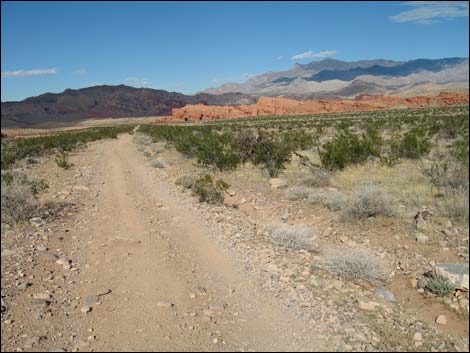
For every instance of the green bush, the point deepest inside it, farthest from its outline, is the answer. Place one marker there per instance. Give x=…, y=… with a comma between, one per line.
x=272, y=154
x=347, y=148
x=209, y=190
x=414, y=145
x=439, y=285
x=17, y=149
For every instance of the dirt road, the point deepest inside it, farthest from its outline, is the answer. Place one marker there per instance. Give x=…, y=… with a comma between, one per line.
x=172, y=288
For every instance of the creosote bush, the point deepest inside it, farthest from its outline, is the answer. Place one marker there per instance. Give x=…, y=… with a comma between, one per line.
x=295, y=237
x=355, y=265
x=210, y=190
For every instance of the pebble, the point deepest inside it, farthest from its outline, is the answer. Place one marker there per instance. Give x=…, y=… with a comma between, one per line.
x=421, y=238
x=441, y=320
x=163, y=304
x=85, y=309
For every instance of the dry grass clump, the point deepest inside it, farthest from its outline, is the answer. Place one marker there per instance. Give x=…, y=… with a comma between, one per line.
x=296, y=193
x=332, y=199
x=295, y=237
x=355, y=265
x=370, y=201
x=186, y=181
x=455, y=204
x=156, y=163
x=17, y=201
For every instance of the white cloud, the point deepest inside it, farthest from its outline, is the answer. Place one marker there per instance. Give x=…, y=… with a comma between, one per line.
x=80, y=72
x=137, y=81
x=428, y=12
x=310, y=54
x=28, y=73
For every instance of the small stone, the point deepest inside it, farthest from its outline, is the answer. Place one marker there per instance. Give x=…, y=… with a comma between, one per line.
x=421, y=238
x=421, y=223
x=215, y=340
x=8, y=252
x=386, y=294
x=90, y=338
x=85, y=309
x=418, y=336
x=91, y=299
x=367, y=305
x=217, y=307
x=163, y=304
x=441, y=320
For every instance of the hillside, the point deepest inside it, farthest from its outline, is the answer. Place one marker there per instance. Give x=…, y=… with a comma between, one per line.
x=105, y=102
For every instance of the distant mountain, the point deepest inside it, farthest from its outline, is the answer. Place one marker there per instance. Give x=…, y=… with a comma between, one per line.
x=105, y=102
x=331, y=78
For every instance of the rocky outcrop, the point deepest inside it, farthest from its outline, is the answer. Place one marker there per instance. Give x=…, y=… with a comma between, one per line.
x=286, y=106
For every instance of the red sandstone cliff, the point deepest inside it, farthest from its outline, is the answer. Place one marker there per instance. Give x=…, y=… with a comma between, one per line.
x=286, y=106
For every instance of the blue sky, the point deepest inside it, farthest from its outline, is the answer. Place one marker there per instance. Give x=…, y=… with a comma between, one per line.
x=187, y=47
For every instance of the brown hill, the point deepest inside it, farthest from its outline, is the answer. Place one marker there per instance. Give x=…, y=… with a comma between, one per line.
x=286, y=106
x=105, y=101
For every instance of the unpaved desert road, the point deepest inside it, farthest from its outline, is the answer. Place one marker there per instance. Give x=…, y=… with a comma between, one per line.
x=148, y=249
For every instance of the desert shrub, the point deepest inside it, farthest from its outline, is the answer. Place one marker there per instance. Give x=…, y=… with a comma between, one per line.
x=37, y=185
x=298, y=140
x=315, y=178
x=332, y=199
x=460, y=151
x=209, y=190
x=347, y=148
x=369, y=201
x=17, y=200
x=455, y=204
x=414, y=145
x=16, y=149
x=272, y=154
x=446, y=172
x=295, y=237
x=246, y=144
x=156, y=163
x=355, y=265
x=61, y=161
x=147, y=154
x=298, y=193
x=439, y=285
x=186, y=181
x=218, y=151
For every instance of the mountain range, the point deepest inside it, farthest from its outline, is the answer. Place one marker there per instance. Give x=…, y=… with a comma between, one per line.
x=324, y=79
x=106, y=102
x=330, y=78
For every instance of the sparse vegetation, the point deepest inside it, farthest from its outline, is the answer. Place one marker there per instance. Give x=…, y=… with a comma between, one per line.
x=295, y=237
x=369, y=201
x=334, y=200
x=156, y=163
x=17, y=149
x=439, y=284
x=18, y=199
x=186, y=181
x=355, y=265
x=210, y=190
x=298, y=193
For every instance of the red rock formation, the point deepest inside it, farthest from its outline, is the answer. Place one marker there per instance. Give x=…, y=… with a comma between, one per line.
x=286, y=106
